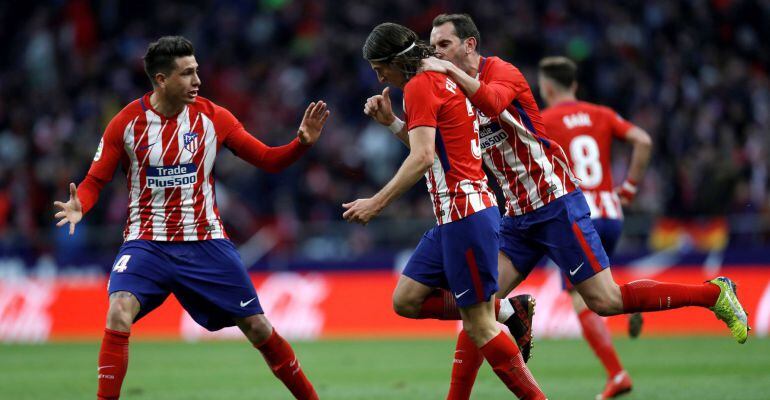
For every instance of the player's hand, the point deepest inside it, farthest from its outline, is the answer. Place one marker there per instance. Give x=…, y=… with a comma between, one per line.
x=436, y=65
x=361, y=211
x=626, y=192
x=70, y=212
x=312, y=123
x=379, y=108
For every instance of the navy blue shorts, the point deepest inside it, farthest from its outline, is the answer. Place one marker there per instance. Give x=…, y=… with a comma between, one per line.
x=609, y=231
x=561, y=230
x=207, y=277
x=460, y=256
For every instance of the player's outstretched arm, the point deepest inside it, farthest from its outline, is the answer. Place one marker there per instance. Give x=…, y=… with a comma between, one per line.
x=275, y=159
x=380, y=108
x=420, y=158
x=640, y=158
x=312, y=123
x=70, y=212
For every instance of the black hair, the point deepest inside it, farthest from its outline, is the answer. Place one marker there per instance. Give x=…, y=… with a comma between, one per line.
x=161, y=55
x=463, y=24
x=561, y=70
x=396, y=44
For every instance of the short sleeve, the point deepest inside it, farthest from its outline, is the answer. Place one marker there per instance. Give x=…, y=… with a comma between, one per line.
x=421, y=102
x=619, y=126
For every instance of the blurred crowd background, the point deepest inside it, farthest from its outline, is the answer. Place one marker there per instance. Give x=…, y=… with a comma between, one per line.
x=694, y=74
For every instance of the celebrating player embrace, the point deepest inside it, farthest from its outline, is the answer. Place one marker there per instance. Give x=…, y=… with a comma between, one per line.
x=460, y=253
x=167, y=142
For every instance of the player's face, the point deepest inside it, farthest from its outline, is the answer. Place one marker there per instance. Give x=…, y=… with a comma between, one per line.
x=388, y=74
x=183, y=83
x=447, y=44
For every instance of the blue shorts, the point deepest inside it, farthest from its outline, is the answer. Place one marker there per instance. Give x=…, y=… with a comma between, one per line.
x=609, y=231
x=207, y=277
x=561, y=230
x=460, y=256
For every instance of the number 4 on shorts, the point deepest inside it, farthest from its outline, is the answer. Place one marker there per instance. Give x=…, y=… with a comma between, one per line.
x=122, y=263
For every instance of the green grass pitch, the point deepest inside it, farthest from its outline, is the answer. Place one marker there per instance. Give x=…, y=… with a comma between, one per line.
x=662, y=368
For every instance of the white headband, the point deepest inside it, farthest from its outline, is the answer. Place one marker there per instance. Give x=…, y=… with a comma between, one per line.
x=411, y=46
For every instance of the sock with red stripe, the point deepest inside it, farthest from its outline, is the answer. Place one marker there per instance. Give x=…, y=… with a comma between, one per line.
x=441, y=304
x=285, y=366
x=113, y=363
x=598, y=337
x=506, y=361
x=648, y=295
x=467, y=361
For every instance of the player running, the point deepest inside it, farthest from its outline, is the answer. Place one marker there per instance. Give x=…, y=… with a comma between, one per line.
x=587, y=130
x=460, y=253
x=167, y=142
x=546, y=214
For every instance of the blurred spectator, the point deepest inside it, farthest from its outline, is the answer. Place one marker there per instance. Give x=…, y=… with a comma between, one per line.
x=692, y=73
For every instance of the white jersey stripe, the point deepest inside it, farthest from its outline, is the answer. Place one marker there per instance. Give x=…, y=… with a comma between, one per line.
x=155, y=157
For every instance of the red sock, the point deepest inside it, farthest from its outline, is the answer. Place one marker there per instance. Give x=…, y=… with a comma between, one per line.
x=281, y=359
x=113, y=362
x=467, y=361
x=505, y=358
x=648, y=295
x=598, y=337
x=441, y=304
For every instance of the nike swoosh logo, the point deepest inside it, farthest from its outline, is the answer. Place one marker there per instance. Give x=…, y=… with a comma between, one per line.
x=457, y=296
x=572, y=272
x=146, y=147
x=106, y=366
x=246, y=303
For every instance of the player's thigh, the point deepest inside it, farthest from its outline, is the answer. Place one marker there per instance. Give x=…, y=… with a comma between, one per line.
x=470, y=249
x=140, y=274
x=212, y=283
x=519, y=254
x=508, y=277
x=571, y=240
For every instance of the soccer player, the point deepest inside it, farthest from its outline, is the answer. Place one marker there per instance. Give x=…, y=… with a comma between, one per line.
x=167, y=142
x=586, y=130
x=460, y=253
x=545, y=212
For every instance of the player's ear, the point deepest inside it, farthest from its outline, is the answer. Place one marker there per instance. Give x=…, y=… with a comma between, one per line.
x=470, y=45
x=160, y=80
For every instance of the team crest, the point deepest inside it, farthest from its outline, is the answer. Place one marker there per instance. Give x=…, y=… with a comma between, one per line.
x=191, y=141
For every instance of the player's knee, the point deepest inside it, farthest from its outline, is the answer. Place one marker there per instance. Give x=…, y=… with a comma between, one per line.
x=120, y=315
x=405, y=307
x=257, y=329
x=601, y=306
x=480, y=334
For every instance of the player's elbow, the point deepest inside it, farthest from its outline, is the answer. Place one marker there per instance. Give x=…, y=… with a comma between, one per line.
x=423, y=159
x=642, y=139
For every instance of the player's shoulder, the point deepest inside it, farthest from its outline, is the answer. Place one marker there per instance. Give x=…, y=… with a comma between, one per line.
x=440, y=85
x=494, y=63
x=206, y=106
x=130, y=112
x=423, y=79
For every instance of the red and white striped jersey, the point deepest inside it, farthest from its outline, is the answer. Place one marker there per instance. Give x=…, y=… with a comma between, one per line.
x=587, y=130
x=532, y=170
x=456, y=181
x=168, y=164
